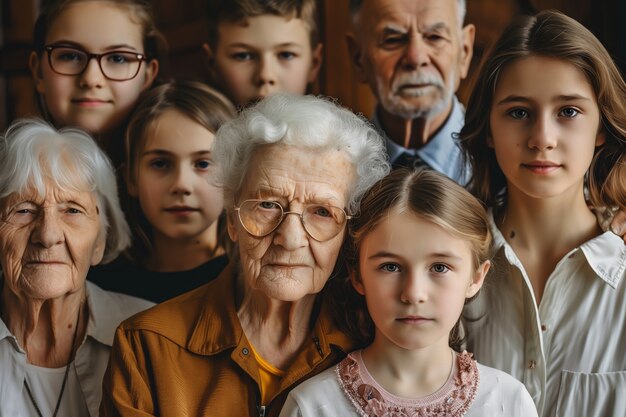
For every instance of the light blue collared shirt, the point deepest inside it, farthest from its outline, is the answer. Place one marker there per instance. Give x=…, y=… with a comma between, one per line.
x=442, y=152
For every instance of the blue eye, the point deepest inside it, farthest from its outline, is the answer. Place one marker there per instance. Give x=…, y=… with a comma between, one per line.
x=389, y=267
x=569, y=112
x=69, y=56
x=392, y=42
x=434, y=37
x=440, y=268
x=518, y=114
x=269, y=205
x=322, y=211
x=203, y=164
x=242, y=56
x=159, y=164
x=286, y=55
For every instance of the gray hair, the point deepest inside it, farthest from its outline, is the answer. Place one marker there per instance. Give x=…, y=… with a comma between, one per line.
x=32, y=151
x=355, y=6
x=314, y=123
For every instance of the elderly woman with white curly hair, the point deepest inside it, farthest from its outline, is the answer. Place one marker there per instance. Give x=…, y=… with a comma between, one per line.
x=294, y=169
x=59, y=214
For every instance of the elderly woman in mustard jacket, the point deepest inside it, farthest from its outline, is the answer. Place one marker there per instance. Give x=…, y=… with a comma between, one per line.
x=294, y=169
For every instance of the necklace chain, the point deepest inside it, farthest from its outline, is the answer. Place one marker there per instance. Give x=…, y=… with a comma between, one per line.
x=67, y=371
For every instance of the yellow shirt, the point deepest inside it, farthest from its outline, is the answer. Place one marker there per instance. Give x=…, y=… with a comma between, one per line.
x=189, y=357
x=270, y=377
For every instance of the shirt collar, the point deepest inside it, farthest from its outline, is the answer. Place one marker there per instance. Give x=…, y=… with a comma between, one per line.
x=605, y=254
x=92, y=302
x=103, y=320
x=441, y=152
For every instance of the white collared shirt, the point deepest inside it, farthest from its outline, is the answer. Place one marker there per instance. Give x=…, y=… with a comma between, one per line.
x=106, y=311
x=570, y=351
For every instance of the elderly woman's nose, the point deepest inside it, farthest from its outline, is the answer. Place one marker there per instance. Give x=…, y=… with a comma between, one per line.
x=47, y=230
x=291, y=234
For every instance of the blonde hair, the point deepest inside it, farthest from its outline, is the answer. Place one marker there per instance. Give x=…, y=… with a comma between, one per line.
x=426, y=194
x=550, y=34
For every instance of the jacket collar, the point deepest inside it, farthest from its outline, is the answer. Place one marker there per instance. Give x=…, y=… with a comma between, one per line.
x=218, y=328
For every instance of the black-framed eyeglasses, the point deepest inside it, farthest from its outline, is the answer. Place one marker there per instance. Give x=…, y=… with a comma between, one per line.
x=115, y=65
x=262, y=217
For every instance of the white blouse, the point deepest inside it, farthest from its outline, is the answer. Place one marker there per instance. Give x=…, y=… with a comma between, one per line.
x=106, y=311
x=498, y=395
x=570, y=350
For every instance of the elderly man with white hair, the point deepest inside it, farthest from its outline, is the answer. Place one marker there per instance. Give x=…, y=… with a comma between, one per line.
x=413, y=54
x=59, y=215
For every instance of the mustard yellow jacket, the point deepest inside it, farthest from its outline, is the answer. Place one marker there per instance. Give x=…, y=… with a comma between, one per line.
x=189, y=357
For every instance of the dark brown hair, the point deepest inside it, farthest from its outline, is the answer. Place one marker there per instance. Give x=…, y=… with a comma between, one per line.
x=550, y=34
x=237, y=10
x=195, y=100
x=426, y=194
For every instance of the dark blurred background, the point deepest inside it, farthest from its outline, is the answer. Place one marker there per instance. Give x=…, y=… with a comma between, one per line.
x=184, y=24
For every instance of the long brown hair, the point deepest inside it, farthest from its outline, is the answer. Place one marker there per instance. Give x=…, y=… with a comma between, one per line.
x=428, y=195
x=550, y=34
x=195, y=100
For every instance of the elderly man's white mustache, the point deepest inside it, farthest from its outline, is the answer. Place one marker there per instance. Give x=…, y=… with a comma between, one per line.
x=413, y=84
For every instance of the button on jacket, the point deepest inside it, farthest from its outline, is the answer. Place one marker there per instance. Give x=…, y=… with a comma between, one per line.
x=570, y=350
x=190, y=357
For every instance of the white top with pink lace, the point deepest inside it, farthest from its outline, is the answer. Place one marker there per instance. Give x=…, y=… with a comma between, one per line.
x=348, y=389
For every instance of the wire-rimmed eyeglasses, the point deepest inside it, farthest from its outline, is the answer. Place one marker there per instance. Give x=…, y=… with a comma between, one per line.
x=115, y=65
x=262, y=217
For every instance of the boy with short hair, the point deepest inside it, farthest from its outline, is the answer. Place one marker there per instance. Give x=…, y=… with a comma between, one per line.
x=257, y=48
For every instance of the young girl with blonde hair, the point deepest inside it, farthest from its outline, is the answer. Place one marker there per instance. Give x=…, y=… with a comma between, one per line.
x=417, y=252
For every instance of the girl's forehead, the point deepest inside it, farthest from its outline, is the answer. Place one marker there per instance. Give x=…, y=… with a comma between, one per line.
x=542, y=77
x=97, y=24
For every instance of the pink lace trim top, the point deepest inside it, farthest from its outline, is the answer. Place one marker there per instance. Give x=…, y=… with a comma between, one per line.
x=453, y=399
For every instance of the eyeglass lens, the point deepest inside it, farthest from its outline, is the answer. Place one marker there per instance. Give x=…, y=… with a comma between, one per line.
x=321, y=222
x=115, y=65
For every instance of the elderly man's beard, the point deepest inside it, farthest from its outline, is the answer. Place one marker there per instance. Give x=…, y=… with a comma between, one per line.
x=397, y=100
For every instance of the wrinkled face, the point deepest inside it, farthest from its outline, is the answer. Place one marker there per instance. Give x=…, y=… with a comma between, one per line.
x=48, y=244
x=288, y=264
x=412, y=53
x=415, y=289
x=89, y=100
x=264, y=55
x=175, y=184
x=545, y=126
